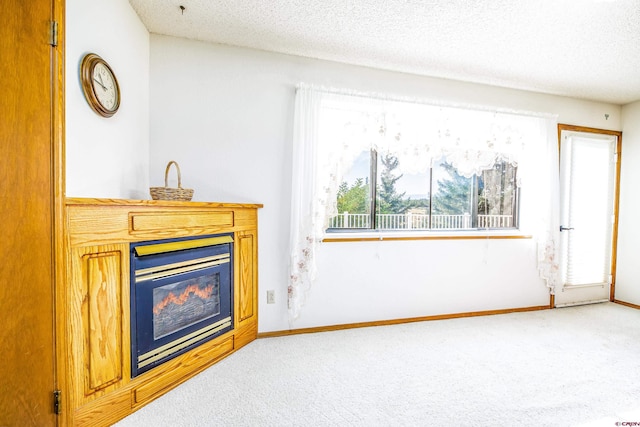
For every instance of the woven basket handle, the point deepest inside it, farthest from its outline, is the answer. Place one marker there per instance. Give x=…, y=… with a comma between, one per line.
x=166, y=174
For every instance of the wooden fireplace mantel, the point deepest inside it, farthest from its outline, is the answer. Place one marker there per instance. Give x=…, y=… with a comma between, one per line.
x=93, y=306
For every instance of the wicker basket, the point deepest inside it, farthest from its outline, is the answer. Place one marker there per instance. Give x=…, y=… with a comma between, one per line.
x=166, y=193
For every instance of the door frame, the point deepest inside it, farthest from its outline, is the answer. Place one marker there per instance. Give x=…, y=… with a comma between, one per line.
x=616, y=194
x=61, y=378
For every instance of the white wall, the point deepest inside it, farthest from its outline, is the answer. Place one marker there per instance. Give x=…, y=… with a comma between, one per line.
x=225, y=114
x=628, y=267
x=107, y=157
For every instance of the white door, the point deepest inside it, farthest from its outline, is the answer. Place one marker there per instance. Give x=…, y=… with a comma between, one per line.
x=587, y=194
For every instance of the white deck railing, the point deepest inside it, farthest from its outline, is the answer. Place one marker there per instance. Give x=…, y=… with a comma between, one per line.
x=411, y=221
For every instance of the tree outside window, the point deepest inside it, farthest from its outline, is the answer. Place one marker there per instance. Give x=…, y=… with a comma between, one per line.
x=438, y=198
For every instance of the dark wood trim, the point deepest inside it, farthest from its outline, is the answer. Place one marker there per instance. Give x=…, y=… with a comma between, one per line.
x=616, y=205
x=628, y=304
x=398, y=321
x=448, y=237
x=572, y=128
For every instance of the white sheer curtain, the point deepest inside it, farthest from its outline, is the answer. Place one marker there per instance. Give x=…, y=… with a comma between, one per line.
x=332, y=128
x=540, y=202
x=306, y=210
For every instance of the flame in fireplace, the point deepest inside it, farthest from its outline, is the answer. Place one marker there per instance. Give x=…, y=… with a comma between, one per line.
x=183, y=297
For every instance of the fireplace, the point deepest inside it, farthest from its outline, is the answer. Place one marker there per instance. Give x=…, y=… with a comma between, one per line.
x=181, y=296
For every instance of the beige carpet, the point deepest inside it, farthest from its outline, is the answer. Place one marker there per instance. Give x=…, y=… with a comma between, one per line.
x=576, y=366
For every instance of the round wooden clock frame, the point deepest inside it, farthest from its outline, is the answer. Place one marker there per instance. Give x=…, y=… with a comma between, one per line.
x=87, y=67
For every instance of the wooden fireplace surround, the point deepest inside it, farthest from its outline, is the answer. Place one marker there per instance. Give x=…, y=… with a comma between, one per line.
x=98, y=389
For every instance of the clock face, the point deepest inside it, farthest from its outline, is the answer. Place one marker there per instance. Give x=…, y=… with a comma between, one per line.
x=104, y=87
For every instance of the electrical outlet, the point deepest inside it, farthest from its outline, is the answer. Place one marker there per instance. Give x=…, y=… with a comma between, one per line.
x=271, y=297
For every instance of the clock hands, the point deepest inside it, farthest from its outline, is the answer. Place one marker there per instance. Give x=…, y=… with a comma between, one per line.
x=101, y=83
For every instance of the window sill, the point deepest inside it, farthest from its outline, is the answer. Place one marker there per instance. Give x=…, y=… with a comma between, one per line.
x=373, y=236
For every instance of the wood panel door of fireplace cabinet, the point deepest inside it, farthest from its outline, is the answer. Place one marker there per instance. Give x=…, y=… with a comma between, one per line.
x=247, y=301
x=99, y=337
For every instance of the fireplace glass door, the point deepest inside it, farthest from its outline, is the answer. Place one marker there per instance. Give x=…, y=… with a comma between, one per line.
x=180, y=297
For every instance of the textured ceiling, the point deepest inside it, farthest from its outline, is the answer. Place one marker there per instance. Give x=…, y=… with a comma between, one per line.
x=580, y=48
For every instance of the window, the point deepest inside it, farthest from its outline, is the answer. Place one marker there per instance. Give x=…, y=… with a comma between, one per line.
x=343, y=141
x=435, y=198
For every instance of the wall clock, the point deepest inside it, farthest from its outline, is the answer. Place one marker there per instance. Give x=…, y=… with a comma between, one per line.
x=100, y=85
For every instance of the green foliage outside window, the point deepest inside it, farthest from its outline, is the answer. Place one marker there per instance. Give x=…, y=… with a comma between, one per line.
x=389, y=200
x=454, y=193
x=354, y=198
x=491, y=193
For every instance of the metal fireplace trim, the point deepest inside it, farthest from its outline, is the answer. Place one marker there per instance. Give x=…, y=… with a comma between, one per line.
x=181, y=245
x=184, y=342
x=167, y=270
